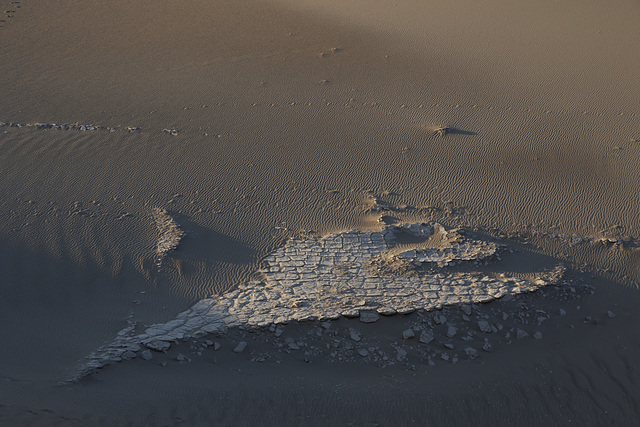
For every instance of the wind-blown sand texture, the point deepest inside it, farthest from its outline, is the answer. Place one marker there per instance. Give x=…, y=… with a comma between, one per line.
x=266, y=123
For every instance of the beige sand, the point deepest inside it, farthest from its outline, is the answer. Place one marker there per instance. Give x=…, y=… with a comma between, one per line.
x=250, y=122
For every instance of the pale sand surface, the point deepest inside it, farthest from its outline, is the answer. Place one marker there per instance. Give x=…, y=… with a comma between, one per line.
x=290, y=115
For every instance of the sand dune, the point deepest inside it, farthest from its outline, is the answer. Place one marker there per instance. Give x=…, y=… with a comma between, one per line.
x=254, y=122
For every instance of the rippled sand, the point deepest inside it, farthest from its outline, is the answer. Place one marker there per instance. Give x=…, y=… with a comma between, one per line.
x=251, y=123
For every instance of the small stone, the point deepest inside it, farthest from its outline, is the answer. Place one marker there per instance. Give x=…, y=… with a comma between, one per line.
x=402, y=354
x=451, y=331
x=538, y=335
x=181, y=358
x=363, y=352
x=521, y=333
x=146, y=355
x=240, y=347
x=293, y=346
x=426, y=337
x=440, y=319
x=611, y=314
x=449, y=346
x=209, y=343
x=354, y=335
x=216, y=346
x=369, y=316
x=444, y=356
x=326, y=325
x=484, y=326
x=471, y=352
x=466, y=309
x=158, y=345
x=408, y=334
x=128, y=355
x=563, y=312
x=487, y=347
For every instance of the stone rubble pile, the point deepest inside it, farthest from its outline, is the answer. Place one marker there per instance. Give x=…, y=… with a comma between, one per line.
x=308, y=279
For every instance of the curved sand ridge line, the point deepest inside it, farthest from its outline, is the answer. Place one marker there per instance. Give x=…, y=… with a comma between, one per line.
x=353, y=273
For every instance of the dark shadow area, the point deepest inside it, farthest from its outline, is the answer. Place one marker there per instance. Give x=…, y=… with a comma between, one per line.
x=55, y=310
x=202, y=244
x=456, y=131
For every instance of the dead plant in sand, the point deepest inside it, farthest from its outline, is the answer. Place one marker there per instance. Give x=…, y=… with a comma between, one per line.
x=441, y=130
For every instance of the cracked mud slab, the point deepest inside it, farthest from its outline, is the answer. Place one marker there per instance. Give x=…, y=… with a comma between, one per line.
x=398, y=269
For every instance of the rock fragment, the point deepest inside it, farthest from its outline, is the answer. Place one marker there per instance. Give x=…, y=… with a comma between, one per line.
x=369, y=316
x=401, y=354
x=452, y=331
x=240, y=347
x=484, y=326
x=146, y=355
x=426, y=337
x=158, y=345
x=440, y=319
x=408, y=334
x=471, y=352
